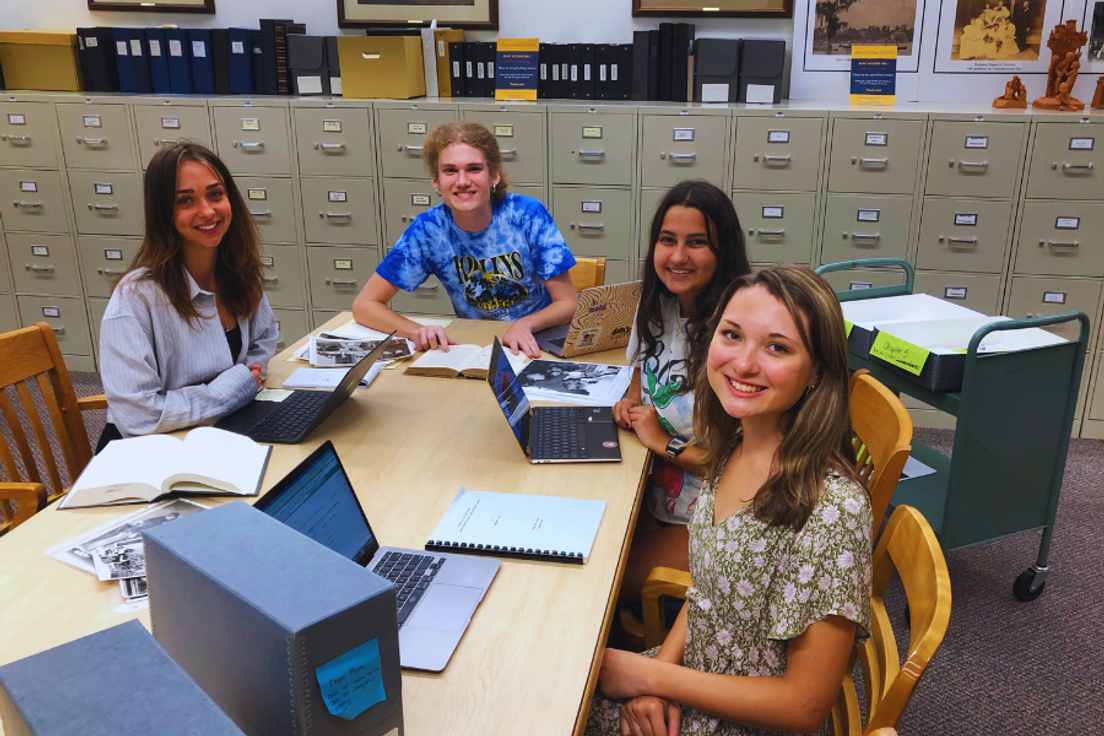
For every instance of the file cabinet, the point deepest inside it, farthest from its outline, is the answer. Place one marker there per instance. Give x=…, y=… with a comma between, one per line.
x=522, y=135
x=272, y=204
x=43, y=264
x=95, y=134
x=404, y=200
x=8, y=318
x=964, y=234
x=1067, y=159
x=26, y=138
x=403, y=128
x=162, y=122
x=337, y=274
x=978, y=291
x=875, y=153
x=292, y=325
x=96, y=309
x=67, y=318
x=1035, y=296
x=592, y=145
x=1061, y=239
x=340, y=211
x=866, y=226
x=778, y=226
x=975, y=159
x=252, y=137
x=33, y=201
x=683, y=143
x=107, y=202
x=103, y=261
x=778, y=150
x=283, y=276
x=334, y=139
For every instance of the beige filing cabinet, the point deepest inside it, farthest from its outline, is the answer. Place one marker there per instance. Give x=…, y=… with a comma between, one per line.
x=107, y=202
x=67, y=318
x=403, y=200
x=27, y=133
x=292, y=325
x=522, y=135
x=778, y=226
x=33, y=200
x=334, y=138
x=43, y=264
x=8, y=318
x=592, y=144
x=95, y=133
x=340, y=211
x=1067, y=158
x=778, y=150
x=103, y=261
x=283, y=276
x=252, y=136
x=272, y=203
x=162, y=122
x=678, y=143
x=403, y=128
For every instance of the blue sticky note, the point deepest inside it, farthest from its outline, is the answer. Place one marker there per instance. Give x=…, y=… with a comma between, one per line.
x=352, y=683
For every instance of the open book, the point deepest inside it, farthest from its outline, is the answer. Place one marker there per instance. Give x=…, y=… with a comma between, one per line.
x=208, y=462
x=468, y=361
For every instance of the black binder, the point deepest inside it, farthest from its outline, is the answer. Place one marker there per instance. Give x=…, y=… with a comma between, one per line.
x=473, y=58
x=666, y=61
x=97, y=57
x=457, y=65
x=717, y=62
x=544, y=72
x=220, y=57
x=606, y=87
x=575, y=71
x=588, y=72
x=308, y=71
x=621, y=70
x=641, y=67
x=680, y=58
x=490, y=61
x=762, y=62
x=256, y=62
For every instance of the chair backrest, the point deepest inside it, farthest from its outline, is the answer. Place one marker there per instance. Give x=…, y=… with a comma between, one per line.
x=30, y=358
x=588, y=272
x=883, y=430
x=908, y=546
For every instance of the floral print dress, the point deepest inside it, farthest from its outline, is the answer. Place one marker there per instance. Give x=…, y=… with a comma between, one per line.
x=756, y=586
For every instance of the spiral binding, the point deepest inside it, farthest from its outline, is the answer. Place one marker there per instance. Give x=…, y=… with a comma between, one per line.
x=527, y=553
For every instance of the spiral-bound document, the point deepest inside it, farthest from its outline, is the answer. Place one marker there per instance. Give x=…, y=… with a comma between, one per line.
x=516, y=525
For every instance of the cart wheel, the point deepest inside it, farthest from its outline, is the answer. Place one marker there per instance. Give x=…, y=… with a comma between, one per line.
x=1023, y=589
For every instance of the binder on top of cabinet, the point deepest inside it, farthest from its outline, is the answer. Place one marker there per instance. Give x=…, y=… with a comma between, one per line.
x=588, y=71
x=283, y=77
x=680, y=61
x=620, y=71
x=307, y=66
x=220, y=59
x=666, y=61
x=96, y=47
x=180, y=60
x=716, y=69
x=574, y=78
x=130, y=58
x=490, y=61
x=333, y=65
x=443, y=38
x=270, y=27
x=543, y=73
x=256, y=62
x=203, y=67
x=762, y=63
x=473, y=60
x=240, y=61
x=457, y=69
x=158, y=61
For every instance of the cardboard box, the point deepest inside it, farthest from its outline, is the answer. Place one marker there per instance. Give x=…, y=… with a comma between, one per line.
x=116, y=682
x=269, y=622
x=865, y=315
x=44, y=60
x=381, y=66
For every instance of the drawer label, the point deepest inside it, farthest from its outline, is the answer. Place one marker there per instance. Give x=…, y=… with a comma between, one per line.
x=92, y=121
x=28, y=186
x=338, y=196
x=772, y=213
x=1054, y=297
x=343, y=264
x=251, y=123
x=111, y=254
x=857, y=285
x=170, y=123
x=1067, y=223
x=877, y=139
x=416, y=128
x=778, y=136
x=966, y=219
x=1082, y=144
x=977, y=141
x=331, y=126
x=592, y=131
x=684, y=134
x=869, y=215
x=256, y=193
x=954, y=292
x=592, y=206
x=103, y=188
x=900, y=353
x=419, y=200
x=504, y=131
x=15, y=118
x=51, y=312
x=268, y=261
x=40, y=250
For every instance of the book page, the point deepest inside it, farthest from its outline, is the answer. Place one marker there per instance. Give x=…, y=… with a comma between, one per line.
x=482, y=361
x=458, y=358
x=220, y=459
x=126, y=471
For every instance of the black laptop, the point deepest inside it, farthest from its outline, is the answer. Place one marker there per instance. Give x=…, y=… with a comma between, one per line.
x=552, y=434
x=290, y=421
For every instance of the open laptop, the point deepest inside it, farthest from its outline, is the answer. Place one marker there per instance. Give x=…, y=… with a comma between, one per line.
x=552, y=434
x=603, y=320
x=436, y=593
x=290, y=421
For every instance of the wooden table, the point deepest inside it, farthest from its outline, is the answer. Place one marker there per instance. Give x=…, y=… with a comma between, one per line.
x=528, y=662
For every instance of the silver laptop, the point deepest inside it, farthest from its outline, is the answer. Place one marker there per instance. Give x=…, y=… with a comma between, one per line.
x=436, y=593
x=603, y=320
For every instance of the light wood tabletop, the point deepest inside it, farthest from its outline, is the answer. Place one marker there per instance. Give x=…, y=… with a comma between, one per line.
x=528, y=662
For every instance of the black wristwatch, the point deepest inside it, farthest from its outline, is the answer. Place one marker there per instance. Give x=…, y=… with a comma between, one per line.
x=675, y=446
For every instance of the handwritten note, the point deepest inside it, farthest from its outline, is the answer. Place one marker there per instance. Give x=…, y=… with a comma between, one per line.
x=352, y=683
x=900, y=353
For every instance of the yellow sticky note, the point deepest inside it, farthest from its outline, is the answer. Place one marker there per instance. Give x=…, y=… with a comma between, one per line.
x=900, y=353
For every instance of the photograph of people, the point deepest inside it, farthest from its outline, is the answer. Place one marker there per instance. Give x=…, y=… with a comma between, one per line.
x=499, y=255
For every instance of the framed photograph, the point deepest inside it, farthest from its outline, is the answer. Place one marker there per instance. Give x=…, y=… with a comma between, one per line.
x=726, y=8
x=1093, y=59
x=996, y=36
x=476, y=15
x=834, y=26
x=155, y=6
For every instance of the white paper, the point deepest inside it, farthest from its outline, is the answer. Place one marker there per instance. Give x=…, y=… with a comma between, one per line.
x=309, y=85
x=175, y=48
x=121, y=48
x=237, y=47
x=335, y=85
x=760, y=93
x=199, y=49
x=916, y=469
x=155, y=47
x=714, y=93
x=328, y=377
x=586, y=384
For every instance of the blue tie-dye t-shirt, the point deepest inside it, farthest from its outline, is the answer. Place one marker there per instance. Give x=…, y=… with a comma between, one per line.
x=495, y=274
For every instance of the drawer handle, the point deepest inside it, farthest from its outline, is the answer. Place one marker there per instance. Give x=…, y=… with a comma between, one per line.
x=271, y=279
x=682, y=156
x=776, y=160
x=962, y=241
x=250, y=145
x=330, y=146
x=39, y=269
x=104, y=207
x=1057, y=244
x=341, y=282
x=108, y=272
x=93, y=141
x=58, y=330
x=413, y=149
x=17, y=139
x=167, y=141
x=592, y=154
x=772, y=233
x=591, y=228
x=509, y=152
x=1077, y=167
x=428, y=288
x=866, y=236
x=873, y=162
x=260, y=213
x=281, y=344
x=973, y=164
x=338, y=215
x=28, y=205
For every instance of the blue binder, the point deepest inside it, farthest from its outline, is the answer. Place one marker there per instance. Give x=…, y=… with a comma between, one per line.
x=180, y=60
x=241, y=62
x=203, y=68
x=158, y=61
x=123, y=60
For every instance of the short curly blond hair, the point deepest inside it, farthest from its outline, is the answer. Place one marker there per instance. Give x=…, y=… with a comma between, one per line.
x=473, y=134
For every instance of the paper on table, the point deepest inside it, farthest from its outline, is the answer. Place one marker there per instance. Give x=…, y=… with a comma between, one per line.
x=916, y=469
x=588, y=384
x=353, y=682
x=354, y=329
x=327, y=377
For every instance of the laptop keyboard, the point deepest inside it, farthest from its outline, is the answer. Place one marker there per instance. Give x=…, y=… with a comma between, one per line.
x=295, y=414
x=562, y=433
x=411, y=573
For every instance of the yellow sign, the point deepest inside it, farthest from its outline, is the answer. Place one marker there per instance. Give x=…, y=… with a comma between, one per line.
x=900, y=353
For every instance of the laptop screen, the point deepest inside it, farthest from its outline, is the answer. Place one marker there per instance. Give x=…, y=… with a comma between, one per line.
x=507, y=390
x=317, y=500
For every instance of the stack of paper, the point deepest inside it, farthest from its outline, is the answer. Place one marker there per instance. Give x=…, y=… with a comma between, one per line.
x=588, y=384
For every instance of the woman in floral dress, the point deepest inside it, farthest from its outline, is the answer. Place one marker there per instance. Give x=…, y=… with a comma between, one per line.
x=780, y=542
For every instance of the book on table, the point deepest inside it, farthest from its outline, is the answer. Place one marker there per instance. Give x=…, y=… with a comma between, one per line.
x=208, y=462
x=461, y=361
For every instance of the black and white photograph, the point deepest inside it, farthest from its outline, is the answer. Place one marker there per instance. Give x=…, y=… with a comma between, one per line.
x=134, y=589
x=121, y=560
x=831, y=28
x=1095, y=18
x=995, y=36
x=334, y=351
x=577, y=383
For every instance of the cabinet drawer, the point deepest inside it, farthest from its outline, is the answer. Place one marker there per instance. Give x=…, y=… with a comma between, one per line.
x=402, y=202
x=26, y=135
x=340, y=211
x=875, y=155
x=95, y=136
x=8, y=319
x=1034, y=296
x=778, y=228
x=1096, y=404
x=283, y=275
x=865, y=227
x=980, y=292
x=619, y=272
x=96, y=309
x=778, y=153
x=166, y=123
x=1067, y=162
x=44, y=264
x=964, y=234
x=253, y=140
x=1061, y=238
x=649, y=203
x=593, y=148
x=104, y=260
x=338, y=274
x=530, y=190
x=974, y=159
x=106, y=203
x=65, y=315
x=272, y=206
x=429, y=298
x=320, y=317
x=292, y=324
x=594, y=222
x=683, y=147
x=521, y=140
x=402, y=139
x=334, y=142
x=862, y=278
x=33, y=201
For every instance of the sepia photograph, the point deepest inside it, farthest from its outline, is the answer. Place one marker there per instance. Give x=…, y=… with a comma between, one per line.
x=998, y=30
x=1096, y=36
x=469, y=14
x=841, y=24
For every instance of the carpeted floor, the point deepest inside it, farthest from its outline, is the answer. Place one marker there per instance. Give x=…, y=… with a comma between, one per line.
x=1009, y=668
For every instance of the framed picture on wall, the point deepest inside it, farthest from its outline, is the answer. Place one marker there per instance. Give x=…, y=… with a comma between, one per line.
x=727, y=8
x=469, y=14
x=155, y=6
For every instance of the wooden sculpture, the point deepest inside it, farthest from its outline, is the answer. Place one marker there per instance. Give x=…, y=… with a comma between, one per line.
x=1064, y=43
x=1015, y=95
x=1098, y=98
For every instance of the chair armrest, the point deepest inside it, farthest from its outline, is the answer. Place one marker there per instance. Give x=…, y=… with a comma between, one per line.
x=91, y=403
x=30, y=498
x=662, y=582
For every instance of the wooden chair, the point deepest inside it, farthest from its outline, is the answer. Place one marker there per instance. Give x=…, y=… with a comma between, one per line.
x=30, y=356
x=588, y=272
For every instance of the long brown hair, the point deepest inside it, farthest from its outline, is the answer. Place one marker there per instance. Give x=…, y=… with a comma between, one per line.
x=238, y=269
x=817, y=429
x=475, y=135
